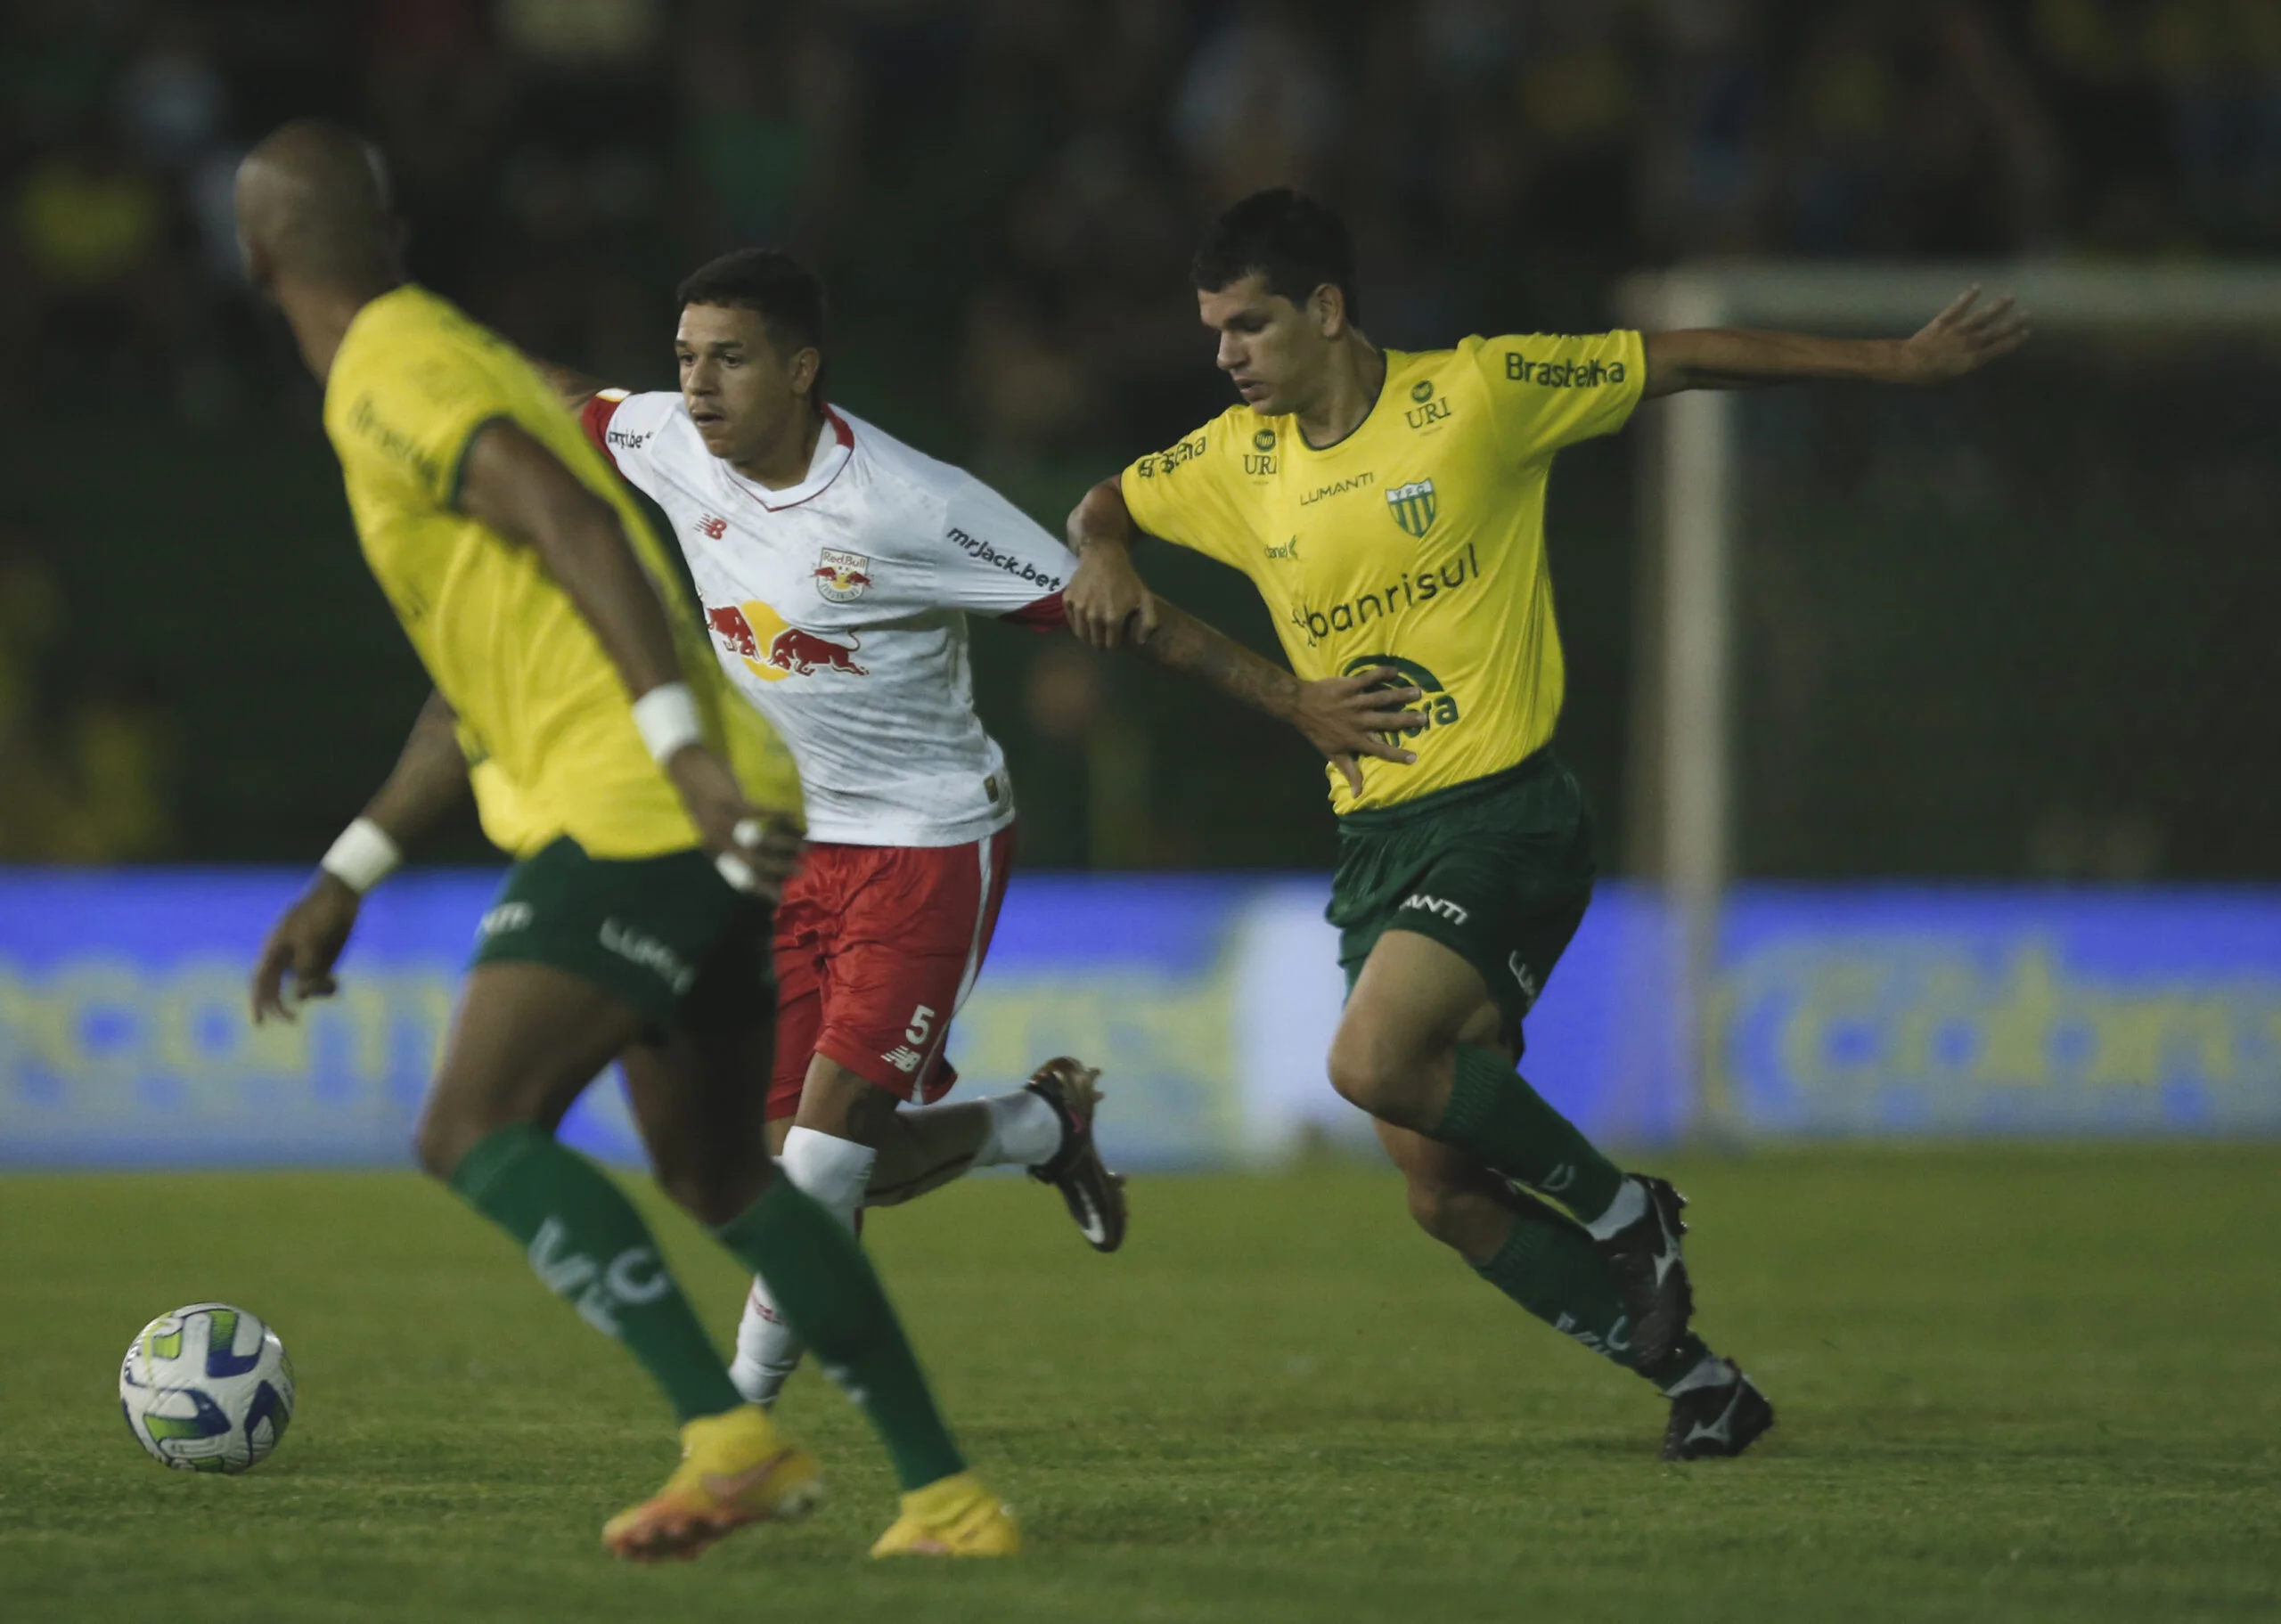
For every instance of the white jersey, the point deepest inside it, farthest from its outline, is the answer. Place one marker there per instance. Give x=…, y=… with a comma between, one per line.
x=838, y=607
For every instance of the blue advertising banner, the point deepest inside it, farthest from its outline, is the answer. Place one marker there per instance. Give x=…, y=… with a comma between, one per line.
x=1209, y=1003
x=1879, y=1010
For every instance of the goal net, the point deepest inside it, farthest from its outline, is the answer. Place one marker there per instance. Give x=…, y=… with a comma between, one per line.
x=2024, y=629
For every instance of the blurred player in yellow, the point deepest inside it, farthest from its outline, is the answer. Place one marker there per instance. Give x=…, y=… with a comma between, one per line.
x=1390, y=508
x=633, y=925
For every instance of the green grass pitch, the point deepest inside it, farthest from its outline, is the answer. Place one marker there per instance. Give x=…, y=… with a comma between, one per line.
x=2013, y=1384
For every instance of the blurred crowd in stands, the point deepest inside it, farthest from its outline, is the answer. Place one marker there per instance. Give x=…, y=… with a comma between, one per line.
x=1024, y=177
x=1003, y=192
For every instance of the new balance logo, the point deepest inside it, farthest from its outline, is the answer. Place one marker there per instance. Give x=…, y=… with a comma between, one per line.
x=1439, y=906
x=597, y=1290
x=904, y=1057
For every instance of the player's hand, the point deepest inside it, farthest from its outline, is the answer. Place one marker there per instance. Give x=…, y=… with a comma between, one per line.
x=304, y=944
x=754, y=851
x=1962, y=339
x=1363, y=714
x=1106, y=603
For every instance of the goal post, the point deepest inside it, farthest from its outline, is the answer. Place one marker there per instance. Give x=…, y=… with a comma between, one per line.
x=1697, y=518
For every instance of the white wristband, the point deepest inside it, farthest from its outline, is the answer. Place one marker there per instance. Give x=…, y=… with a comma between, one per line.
x=363, y=857
x=666, y=718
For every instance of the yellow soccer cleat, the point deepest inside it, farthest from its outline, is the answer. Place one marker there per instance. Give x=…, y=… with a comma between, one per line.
x=954, y=1516
x=735, y=1468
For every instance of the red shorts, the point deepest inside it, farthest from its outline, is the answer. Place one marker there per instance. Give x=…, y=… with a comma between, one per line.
x=875, y=949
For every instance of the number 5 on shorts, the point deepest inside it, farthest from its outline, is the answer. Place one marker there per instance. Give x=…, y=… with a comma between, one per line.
x=922, y=1023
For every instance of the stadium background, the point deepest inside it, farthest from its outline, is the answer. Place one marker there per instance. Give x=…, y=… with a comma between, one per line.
x=2005, y=652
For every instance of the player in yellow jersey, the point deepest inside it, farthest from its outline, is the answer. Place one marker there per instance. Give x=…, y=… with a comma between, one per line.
x=1390, y=508
x=575, y=691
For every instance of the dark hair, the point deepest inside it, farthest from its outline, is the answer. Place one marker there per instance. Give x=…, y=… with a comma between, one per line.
x=785, y=294
x=1296, y=243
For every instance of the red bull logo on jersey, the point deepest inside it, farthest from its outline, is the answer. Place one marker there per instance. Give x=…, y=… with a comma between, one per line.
x=774, y=649
x=734, y=630
x=801, y=654
x=842, y=577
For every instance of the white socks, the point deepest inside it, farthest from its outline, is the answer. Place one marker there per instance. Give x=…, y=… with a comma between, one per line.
x=833, y=1171
x=1628, y=1207
x=1024, y=1129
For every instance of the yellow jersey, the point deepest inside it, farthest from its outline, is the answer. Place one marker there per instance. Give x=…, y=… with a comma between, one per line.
x=544, y=718
x=1415, y=543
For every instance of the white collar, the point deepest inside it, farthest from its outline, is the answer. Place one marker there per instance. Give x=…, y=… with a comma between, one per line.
x=834, y=448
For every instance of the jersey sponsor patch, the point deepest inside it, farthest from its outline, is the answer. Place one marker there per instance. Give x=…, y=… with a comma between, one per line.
x=774, y=649
x=1021, y=569
x=1438, y=706
x=1562, y=374
x=1166, y=462
x=842, y=577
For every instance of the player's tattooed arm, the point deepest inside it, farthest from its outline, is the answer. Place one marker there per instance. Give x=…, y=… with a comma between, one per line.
x=429, y=780
x=516, y=487
x=1107, y=602
x=1961, y=339
x=1344, y=717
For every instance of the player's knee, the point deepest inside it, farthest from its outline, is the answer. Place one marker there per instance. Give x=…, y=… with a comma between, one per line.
x=455, y=1121
x=1370, y=1072
x=441, y=1141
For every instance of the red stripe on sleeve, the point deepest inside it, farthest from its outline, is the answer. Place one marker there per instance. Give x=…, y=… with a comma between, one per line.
x=1043, y=615
x=594, y=417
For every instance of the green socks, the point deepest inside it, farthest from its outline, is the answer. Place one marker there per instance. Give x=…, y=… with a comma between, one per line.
x=1494, y=1115
x=825, y=1289
x=1550, y=1266
x=589, y=1246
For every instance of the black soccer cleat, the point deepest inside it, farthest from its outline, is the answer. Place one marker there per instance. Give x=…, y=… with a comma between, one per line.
x=1644, y=1256
x=1094, y=1196
x=1711, y=1422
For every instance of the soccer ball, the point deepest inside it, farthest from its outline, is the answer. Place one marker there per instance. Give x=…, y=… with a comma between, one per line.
x=206, y=1388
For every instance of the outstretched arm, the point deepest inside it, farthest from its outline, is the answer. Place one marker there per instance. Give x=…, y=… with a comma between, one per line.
x=429, y=779
x=1961, y=339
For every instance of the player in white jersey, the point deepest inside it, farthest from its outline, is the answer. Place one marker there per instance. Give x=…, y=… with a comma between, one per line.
x=837, y=566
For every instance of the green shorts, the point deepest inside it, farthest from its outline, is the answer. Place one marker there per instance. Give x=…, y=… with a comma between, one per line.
x=1498, y=870
x=667, y=935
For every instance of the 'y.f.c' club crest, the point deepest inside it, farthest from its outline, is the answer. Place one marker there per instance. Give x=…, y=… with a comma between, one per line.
x=1413, y=507
x=842, y=577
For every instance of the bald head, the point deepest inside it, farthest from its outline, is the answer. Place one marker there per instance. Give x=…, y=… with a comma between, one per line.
x=313, y=210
